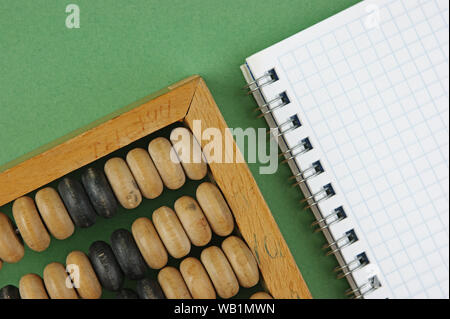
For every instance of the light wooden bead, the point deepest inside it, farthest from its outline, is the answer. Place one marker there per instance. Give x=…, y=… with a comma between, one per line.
x=197, y=279
x=215, y=209
x=172, y=284
x=55, y=279
x=220, y=272
x=31, y=286
x=88, y=286
x=242, y=260
x=193, y=220
x=189, y=152
x=149, y=243
x=54, y=213
x=30, y=225
x=123, y=183
x=145, y=173
x=171, y=232
x=165, y=159
x=261, y=295
x=11, y=249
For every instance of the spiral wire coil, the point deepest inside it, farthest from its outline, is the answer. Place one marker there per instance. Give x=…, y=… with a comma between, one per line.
x=326, y=192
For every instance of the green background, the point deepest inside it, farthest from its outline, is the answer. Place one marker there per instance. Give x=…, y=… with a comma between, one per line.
x=54, y=80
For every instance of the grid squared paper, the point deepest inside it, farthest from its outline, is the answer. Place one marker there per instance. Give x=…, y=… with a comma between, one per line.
x=374, y=90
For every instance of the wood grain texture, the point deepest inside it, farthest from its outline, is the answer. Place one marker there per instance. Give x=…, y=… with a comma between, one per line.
x=149, y=243
x=30, y=225
x=219, y=270
x=197, y=279
x=242, y=260
x=11, y=248
x=56, y=282
x=172, y=283
x=261, y=295
x=253, y=217
x=188, y=100
x=97, y=142
x=31, y=286
x=54, y=214
x=87, y=284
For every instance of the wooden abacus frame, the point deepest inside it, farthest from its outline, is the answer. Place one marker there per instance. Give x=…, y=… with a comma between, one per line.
x=184, y=101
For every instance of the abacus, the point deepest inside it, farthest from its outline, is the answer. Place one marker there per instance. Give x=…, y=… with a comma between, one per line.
x=228, y=205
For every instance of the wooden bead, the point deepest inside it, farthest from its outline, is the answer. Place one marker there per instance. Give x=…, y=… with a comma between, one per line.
x=189, y=152
x=128, y=255
x=11, y=249
x=123, y=183
x=149, y=243
x=77, y=202
x=126, y=294
x=172, y=284
x=165, y=159
x=145, y=173
x=106, y=266
x=171, y=232
x=242, y=260
x=193, y=220
x=31, y=286
x=215, y=208
x=83, y=275
x=58, y=283
x=9, y=292
x=99, y=192
x=149, y=289
x=30, y=225
x=54, y=213
x=197, y=279
x=261, y=295
x=220, y=272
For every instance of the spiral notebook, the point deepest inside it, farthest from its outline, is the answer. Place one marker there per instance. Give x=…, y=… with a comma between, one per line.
x=359, y=104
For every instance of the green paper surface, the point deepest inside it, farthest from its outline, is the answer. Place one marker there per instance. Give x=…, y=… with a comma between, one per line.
x=54, y=80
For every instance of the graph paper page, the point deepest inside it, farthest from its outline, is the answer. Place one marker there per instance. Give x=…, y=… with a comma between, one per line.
x=371, y=88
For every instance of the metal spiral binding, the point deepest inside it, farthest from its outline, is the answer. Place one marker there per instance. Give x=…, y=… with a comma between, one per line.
x=326, y=192
x=316, y=168
x=359, y=262
x=305, y=146
x=346, y=240
x=283, y=100
x=270, y=76
x=372, y=284
x=336, y=216
x=291, y=125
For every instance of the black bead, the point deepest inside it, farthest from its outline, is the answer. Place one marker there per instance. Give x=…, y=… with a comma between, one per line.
x=9, y=292
x=77, y=202
x=149, y=289
x=127, y=294
x=106, y=266
x=99, y=192
x=128, y=255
